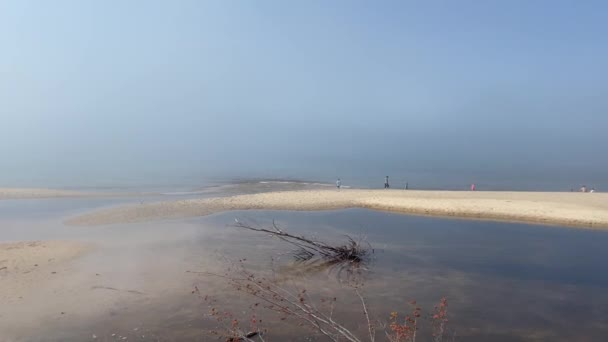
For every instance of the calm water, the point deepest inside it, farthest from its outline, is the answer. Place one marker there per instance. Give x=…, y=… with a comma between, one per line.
x=504, y=282
x=448, y=175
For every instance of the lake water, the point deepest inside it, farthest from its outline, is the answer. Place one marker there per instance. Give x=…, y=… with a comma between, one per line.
x=504, y=282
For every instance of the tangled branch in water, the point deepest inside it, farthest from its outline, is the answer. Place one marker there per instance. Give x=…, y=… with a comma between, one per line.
x=355, y=251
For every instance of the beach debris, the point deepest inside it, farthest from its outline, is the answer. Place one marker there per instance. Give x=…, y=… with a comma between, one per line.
x=94, y=336
x=354, y=251
x=240, y=339
x=115, y=289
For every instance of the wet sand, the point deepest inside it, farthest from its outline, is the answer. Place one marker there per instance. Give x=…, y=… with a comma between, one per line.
x=568, y=209
x=24, y=265
x=32, y=193
x=68, y=290
x=24, y=193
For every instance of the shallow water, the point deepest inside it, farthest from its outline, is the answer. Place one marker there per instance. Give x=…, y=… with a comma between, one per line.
x=504, y=282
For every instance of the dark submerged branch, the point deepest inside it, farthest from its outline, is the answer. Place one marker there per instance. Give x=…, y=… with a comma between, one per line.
x=352, y=251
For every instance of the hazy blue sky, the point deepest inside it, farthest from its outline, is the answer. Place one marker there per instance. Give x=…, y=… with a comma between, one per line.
x=119, y=91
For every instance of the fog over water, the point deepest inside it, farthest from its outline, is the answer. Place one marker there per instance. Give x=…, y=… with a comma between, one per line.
x=508, y=95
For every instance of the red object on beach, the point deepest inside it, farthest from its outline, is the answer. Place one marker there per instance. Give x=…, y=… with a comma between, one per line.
x=473, y=187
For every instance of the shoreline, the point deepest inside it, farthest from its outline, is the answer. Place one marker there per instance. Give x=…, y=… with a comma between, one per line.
x=45, y=193
x=578, y=210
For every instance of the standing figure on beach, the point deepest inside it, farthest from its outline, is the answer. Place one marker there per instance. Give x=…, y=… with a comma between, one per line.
x=338, y=184
x=583, y=188
x=473, y=187
x=592, y=190
x=406, y=186
x=386, y=186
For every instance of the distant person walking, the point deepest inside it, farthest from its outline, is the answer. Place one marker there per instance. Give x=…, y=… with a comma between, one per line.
x=473, y=187
x=386, y=185
x=406, y=186
x=592, y=190
x=583, y=188
x=338, y=184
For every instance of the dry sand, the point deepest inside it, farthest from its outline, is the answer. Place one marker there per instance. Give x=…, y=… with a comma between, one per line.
x=26, y=265
x=568, y=209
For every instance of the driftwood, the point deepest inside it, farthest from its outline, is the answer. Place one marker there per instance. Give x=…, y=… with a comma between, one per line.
x=352, y=251
x=296, y=304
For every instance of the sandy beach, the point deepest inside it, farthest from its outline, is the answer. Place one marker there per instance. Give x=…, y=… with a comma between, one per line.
x=567, y=209
x=24, y=265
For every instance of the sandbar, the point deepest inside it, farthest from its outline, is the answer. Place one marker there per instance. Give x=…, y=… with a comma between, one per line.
x=588, y=210
x=34, y=193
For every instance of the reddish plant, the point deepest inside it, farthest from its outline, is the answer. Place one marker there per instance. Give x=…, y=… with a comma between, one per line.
x=405, y=332
x=439, y=319
x=298, y=306
x=231, y=329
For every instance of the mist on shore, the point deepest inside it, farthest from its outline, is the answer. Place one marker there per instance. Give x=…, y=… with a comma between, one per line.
x=509, y=95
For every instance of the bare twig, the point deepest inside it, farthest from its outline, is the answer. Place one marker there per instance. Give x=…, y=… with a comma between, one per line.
x=370, y=327
x=273, y=295
x=283, y=301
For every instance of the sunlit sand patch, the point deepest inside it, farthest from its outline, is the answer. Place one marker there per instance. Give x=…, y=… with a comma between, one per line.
x=569, y=209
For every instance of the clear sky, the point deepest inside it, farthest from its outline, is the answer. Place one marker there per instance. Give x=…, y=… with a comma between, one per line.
x=102, y=92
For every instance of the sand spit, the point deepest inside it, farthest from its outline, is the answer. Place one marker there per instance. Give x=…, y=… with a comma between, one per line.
x=25, y=265
x=32, y=193
x=23, y=193
x=569, y=209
